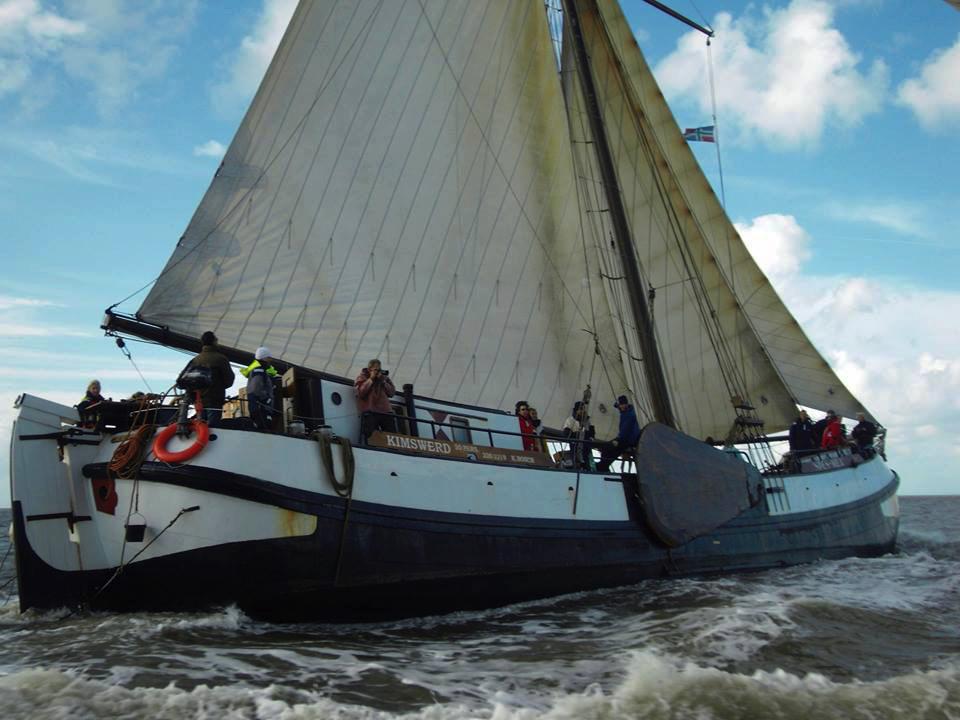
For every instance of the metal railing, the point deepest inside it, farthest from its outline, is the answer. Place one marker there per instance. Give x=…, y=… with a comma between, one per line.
x=564, y=444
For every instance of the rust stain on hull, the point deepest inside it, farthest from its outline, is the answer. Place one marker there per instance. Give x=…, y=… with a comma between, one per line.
x=294, y=524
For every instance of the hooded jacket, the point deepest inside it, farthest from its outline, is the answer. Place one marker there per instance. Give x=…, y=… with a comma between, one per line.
x=259, y=381
x=210, y=357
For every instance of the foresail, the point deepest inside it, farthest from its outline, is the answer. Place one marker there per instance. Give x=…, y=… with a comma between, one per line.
x=402, y=187
x=722, y=329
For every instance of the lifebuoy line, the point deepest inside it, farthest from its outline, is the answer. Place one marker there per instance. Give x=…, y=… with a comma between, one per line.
x=201, y=429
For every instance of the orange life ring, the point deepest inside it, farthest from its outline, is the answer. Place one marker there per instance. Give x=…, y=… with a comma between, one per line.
x=200, y=427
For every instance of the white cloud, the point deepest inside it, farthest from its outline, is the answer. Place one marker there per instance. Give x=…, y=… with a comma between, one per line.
x=113, y=48
x=28, y=35
x=892, y=344
x=211, y=148
x=254, y=55
x=934, y=96
x=899, y=217
x=777, y=242
x=89, y=154
x=22, y=317
x=785, y=76
x=20, y=330
x=17, y=16
x=8, y=302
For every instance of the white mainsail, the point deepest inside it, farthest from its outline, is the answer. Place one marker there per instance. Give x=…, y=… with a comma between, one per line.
x=406, y=185
x=402, y=187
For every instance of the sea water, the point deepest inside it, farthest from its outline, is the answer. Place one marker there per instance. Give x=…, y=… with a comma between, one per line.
x=855, y=638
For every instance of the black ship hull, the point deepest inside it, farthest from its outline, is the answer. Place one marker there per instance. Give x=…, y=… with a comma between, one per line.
x=372, y=562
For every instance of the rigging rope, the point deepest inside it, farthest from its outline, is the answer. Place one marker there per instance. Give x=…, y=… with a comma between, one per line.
x=702, y=18
x=123, y=348
x=123, y=565
x=731, y=371
x=595, y=185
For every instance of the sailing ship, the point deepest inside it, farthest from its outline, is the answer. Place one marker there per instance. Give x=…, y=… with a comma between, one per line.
x=495, y=200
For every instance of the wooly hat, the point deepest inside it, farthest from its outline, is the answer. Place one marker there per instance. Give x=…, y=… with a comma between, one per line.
x=262, y=353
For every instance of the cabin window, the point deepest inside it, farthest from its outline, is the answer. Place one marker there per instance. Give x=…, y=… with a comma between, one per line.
x=460, y=430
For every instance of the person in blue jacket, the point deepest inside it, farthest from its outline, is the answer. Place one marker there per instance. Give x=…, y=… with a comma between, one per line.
x=627, y=436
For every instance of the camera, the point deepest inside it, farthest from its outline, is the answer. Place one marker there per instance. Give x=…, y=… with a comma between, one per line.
x=385, y=373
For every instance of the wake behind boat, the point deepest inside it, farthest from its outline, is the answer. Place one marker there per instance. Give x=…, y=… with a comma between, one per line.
x=422, y=182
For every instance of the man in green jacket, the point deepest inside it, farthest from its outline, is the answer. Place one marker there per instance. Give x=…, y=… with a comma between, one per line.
x=215, y=395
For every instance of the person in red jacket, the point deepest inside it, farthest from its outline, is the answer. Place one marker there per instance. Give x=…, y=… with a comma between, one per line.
x=832, y=433
x=374, y=389
x=530, y=441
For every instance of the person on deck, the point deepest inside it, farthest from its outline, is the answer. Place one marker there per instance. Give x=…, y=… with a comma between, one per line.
x=818, y=427
x=260, y=374
x=863, y=433
x=91, y=397
x=538, y=427
x=527, y=428
x=374, y=389
x=832, y=433
x=222, y=377
x=573, y=426
x=801, y=434
x=88, y=417
x=627, y=436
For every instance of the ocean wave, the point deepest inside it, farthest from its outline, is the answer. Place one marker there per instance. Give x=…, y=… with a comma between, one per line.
x=652, y=687
x=661, y=687
x=737, y=630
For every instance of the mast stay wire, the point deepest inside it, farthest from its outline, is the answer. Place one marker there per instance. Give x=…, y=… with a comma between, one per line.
x=123, y=348
x=723, y=194
x=703, y=19
x=716, y=127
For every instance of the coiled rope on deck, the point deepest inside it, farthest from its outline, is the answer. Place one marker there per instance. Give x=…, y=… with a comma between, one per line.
x=343, y=488
x=129, y=454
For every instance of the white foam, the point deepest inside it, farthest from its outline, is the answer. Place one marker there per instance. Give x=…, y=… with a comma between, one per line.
x=738, y=630
x=651, y=686
x=890, y=583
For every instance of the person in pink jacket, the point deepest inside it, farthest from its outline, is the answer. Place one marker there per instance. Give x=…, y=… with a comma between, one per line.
x=374, y=389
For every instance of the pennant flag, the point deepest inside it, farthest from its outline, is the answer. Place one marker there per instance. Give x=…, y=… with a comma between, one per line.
x=700, y=134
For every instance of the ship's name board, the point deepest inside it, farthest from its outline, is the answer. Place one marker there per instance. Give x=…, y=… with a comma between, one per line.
x=823, y=463
x=451, y=449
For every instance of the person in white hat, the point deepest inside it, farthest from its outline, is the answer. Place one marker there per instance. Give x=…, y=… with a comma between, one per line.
x=259, y=375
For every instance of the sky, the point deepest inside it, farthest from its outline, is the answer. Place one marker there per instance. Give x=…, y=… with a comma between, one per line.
x=837, y=124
